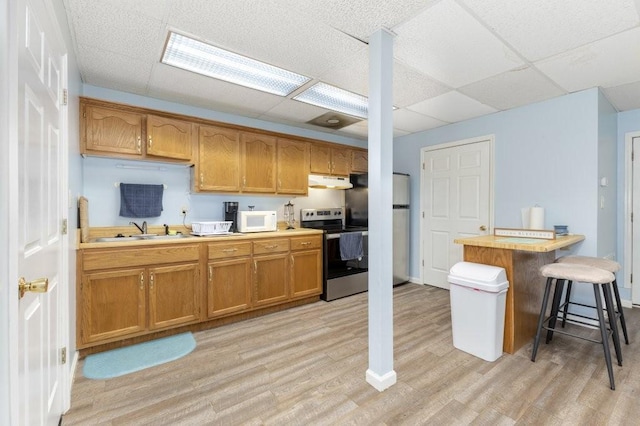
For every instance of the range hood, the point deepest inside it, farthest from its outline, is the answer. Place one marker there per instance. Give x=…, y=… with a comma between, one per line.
x=329, y=182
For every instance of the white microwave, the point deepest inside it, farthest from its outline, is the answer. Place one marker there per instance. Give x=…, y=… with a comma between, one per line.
x=257, y=221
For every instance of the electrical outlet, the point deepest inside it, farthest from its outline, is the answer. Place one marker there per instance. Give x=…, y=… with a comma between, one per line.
x=184, y=210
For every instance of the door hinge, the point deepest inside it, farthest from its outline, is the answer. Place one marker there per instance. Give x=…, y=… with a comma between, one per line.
x=63, y=355
x=631, y=216
x=631, y=278
x=423, y=166
x=65, y=225
x=65, y=96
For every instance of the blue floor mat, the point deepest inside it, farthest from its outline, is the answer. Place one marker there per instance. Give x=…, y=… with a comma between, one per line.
x=137, y=357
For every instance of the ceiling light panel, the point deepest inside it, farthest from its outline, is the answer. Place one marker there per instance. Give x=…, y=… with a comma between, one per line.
x=335, y=99
x=196, y=56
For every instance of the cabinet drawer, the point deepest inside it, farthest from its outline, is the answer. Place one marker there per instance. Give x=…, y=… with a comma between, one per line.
x=270, y=246
x=308, y=242
x=226, y=250
x=106, y=259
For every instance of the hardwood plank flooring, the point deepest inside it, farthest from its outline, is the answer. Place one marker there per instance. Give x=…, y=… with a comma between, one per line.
x=307, y=365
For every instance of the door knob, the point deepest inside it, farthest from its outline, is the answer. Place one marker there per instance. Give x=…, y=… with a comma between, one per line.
x=40, y=285
x=483, y=228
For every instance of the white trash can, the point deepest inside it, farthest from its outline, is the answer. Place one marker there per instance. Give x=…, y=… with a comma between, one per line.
x=478, y=299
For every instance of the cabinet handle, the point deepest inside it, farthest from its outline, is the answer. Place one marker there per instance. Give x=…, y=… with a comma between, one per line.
x=244, y=181
x=272, y=246
x=279, y=183
x=151, y=279
x=201, y=179
x=139, y=144
x=141, y=280
x=306, y=243
x=329, y=165
x=255, y=267
x=293, y=261
x=229, y=250
x=150, y=142
x=210, y=273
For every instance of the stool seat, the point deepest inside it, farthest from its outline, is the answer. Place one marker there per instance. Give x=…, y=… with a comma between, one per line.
x=601, y=280
x=576, y=273
x=596, y=262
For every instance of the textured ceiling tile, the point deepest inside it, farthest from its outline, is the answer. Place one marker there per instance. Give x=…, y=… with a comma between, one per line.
x=122, y=31
x=625, y=97
x=448, y=44
x=451, y=107
x=512, y=89
x=610, y=62
x=165, y=78
x=411, y=121
x=295, y=111
x=359, y=129
x=119, y=70
x=542, y=28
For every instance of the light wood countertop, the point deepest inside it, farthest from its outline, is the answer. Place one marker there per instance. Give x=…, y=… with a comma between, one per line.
x=523, y=244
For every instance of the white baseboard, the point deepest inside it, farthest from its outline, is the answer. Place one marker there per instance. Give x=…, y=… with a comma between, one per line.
x=72, y=371
x=381, y=382
x=626, y=303
x=415, y=280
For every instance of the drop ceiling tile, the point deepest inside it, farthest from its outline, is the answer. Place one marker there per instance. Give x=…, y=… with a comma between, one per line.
x=118, y=30
x=448, y=44
x=359, y=18
x=606, y=63
x=412, y=122
x=542, y=28
x=625, y=97
x=359, y=129
x=266, y=31
x=112, y=70
x=451, y=107
x=512, y=89
x=294, y=111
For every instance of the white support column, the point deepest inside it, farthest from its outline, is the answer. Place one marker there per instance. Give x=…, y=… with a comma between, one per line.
x=380, y=374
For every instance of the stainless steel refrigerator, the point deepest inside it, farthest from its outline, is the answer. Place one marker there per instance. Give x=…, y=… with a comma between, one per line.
x=401, y=204
x=356, y=206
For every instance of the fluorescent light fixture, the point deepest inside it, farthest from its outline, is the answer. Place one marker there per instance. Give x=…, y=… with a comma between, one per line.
x=335, y=99
x=202, y=58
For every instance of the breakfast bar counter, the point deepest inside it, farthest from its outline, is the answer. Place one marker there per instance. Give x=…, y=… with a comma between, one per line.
x=521, y=258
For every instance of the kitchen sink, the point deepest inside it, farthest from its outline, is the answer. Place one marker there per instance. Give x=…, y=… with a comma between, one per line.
x=123, y=239
x=116, y=239
x=167, y=237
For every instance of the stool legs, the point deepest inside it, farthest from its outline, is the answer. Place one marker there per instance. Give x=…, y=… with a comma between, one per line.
x=543, y=310
x=555, y=308
x=623, y=323
x=604, y=335
x=566, y=304
x=613, y=322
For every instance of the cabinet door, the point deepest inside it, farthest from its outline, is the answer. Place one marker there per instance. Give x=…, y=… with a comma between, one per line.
x=340, y=161
x=229, y=286
x=320, y=161
x=167, y=137
x=270, y=278
x=112, y=305
x=293, y=167
x=174, y=295
x=218, y=167
x=258, y=163
x=359, y=161
x=110, y=130
x=306, y=273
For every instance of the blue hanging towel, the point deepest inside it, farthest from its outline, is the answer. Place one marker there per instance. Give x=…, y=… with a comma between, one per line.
x=351, y=246
x=140, y=200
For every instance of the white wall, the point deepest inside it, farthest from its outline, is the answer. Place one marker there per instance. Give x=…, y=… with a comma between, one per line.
x=607, y=169
x=545, y=153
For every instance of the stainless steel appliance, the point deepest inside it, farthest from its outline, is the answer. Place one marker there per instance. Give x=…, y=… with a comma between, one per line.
x=357, y=214
x=340, y=277
x=401, y=204
x=231, y=214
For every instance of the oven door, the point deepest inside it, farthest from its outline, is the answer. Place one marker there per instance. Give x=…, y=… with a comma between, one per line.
x=344, y=277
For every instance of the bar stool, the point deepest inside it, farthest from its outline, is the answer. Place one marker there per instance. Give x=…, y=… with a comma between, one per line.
x=597, y=262
x=558, y=273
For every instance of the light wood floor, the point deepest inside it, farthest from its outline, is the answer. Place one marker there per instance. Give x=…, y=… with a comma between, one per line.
x=307, y=366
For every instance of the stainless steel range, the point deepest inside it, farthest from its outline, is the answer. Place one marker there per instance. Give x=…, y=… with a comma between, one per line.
x=345, y=270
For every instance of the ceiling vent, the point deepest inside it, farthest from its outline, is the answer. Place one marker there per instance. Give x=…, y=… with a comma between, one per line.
x=334, y=120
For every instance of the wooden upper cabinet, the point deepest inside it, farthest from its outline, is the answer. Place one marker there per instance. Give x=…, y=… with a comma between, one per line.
x=110, y=131
x=293, y=167
x=258, y=162
x=218, y=166
x=359, y=161
x=328, y=160
x=168, y=137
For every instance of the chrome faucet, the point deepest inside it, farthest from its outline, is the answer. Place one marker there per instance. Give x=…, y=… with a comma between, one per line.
x=144, y=226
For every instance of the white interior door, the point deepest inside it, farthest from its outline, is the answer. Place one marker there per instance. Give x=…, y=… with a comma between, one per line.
x=635, y=228
x=41, y=325
x=456, y=194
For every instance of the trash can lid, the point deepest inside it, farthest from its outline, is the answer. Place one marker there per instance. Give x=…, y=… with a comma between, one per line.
x=488, y=278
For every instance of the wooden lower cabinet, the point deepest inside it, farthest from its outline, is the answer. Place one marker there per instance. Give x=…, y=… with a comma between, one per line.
x=270, y=274
x=174, y=295
x=112, y=305
x=306, y=266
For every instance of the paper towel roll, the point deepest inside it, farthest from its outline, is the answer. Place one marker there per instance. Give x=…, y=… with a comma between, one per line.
x=536, y=218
